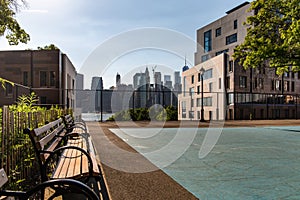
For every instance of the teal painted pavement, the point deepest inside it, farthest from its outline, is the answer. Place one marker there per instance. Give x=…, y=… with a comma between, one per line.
x=246, y=163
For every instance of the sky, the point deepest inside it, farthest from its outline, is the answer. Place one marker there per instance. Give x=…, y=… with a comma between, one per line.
x=106, y=37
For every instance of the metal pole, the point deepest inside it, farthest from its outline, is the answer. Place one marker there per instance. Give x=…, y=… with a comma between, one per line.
x=101, y=108
x=202, y=109
x=68, y=99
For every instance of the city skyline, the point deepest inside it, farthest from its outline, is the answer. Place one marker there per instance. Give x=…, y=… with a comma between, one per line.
x=174, y=78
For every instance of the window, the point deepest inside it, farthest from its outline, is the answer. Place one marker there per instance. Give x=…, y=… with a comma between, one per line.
x=198, y=89
x=198, y=103
x=210, y=87
x=272, y=85
x=207, y=41
x=223, y=51
x=235, y=24
x=255, y=84
x=293, y=75
x=207, y=74
x=286, y=86
x=292, y=86
x=204, y=58
x=191, y=114
x=243, y=82
x=52, y=78
x=227, y=83
x=230, y=66
x=286, y=74
x=192, y=92
x=184, y=85
x=25, y=78
x=231, y=38
x=230, y=99
x=8, y=89
x=199, y=77
x=220, y=83
x=278, y=85
x=183, y=106
x=218, y=32
x=261, y=83
x=207, y=101
x=192, y=79
x=43, y=78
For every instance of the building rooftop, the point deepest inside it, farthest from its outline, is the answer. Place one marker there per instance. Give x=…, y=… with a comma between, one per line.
x=237, y=7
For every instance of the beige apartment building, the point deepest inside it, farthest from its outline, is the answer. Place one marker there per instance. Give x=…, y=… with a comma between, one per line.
x=48, y=73
x=246, y=94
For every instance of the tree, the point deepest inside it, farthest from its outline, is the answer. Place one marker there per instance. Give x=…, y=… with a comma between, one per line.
x=9, y=27
x=48, y=47
x=273, y=36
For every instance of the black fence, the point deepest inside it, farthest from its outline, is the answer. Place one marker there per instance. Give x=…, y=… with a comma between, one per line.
x=106, y=102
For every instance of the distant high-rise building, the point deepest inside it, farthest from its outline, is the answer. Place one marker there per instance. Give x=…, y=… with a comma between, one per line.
x=79, y=81
x=78, y=90
x=96, y=87
x=167, y=78
x=136, y=80
x=147, y=76
x=118, y=79
x=168, y=81
x=177, y=79
x=97, y=83
x=157, y=76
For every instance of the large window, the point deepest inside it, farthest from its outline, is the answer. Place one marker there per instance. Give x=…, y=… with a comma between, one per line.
x=43, y=78
x=231, y=38
x=207, y=41
x=207, y=101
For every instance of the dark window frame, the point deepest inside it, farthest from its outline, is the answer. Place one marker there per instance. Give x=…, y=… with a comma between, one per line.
x=207, y=41
x=218, y=31
x=231, y=39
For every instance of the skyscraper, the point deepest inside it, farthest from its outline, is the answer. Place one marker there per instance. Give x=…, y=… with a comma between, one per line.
x=118, y=79
x=97, y=83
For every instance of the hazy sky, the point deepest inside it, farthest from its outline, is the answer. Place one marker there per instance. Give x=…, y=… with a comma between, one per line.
x=81, y=27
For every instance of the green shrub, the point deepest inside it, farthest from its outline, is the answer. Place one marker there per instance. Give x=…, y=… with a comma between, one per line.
x=141, y=114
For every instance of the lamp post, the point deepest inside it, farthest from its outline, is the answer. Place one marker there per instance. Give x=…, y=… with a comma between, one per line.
x=202, y=70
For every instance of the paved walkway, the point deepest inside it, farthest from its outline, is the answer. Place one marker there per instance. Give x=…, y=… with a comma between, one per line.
x=124, y=185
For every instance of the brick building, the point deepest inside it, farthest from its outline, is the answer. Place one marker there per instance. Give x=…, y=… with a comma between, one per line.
x=248, y=94
x=48, y=73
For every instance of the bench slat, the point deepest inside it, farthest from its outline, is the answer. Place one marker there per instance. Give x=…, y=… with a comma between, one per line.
x=45, y=128
x=45, y=140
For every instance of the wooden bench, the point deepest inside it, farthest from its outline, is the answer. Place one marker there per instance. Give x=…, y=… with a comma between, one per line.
x=49, y=190
x=65, y=155
x=73, y=126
